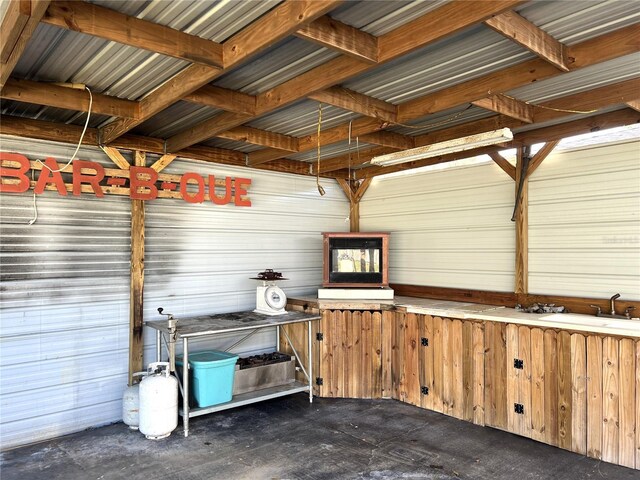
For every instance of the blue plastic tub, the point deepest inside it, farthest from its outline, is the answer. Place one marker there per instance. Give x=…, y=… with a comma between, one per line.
x=211, y=376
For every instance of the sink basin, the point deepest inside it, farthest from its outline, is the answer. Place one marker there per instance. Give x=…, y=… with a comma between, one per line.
x=632, y=324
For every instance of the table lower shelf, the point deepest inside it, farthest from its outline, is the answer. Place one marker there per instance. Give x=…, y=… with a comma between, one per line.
x=251, y=397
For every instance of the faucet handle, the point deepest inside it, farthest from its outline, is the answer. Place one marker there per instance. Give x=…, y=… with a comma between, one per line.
x=627, y=311
x=598, y=309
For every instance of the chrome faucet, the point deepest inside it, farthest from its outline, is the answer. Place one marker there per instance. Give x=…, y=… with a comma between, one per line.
x=612, y=302
x=613, y=314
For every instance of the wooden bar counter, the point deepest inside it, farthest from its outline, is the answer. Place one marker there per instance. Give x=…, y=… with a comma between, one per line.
x=569, y=380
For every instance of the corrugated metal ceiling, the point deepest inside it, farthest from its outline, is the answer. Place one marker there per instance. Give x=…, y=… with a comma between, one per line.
x=60, y=55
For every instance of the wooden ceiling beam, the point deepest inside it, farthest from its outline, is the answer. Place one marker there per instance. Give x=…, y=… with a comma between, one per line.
x=389, y=139
x=117, y=27
x=272, y=27
x=635, y=104
x=529, y=36
x=600, y=49
x=53, y=95
x=594, y=99
x=530, y=137
x=15, y=19
x=60, y=132
x=357, y=102
x=431, y=27
x=508, y=106
x=343, y=38
x=261, y=137
x=224, y=99
x=350, y=161
x=597, y=50
x=20, y=21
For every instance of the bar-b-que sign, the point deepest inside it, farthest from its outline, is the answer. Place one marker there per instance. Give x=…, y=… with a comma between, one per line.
x=140, y=183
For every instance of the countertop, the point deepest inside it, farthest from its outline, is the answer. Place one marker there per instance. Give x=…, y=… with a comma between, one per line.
x=495, y=313
x=229, y=322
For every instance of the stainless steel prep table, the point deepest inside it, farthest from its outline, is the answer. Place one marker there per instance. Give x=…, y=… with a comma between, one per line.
x=208, y=325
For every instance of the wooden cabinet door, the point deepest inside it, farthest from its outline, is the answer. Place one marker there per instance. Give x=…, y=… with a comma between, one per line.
x=438, y=364
x=350, y=354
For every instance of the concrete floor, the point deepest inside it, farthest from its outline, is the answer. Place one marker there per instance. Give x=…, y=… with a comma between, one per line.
x=290, y=439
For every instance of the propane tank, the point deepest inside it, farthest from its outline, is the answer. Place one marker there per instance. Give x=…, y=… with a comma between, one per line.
x=158, y=402
x=131, y=404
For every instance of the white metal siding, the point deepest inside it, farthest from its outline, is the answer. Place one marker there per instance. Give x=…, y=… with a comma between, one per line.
x=584, y=223
x=65, y=282
x=449, y=228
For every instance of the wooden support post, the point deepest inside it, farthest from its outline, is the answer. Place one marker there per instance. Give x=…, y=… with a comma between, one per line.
x=354, y=192
x=522, y=229
x=137, y=280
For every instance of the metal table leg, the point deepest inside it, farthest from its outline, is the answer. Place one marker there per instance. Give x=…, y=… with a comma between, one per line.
x=158, y=345
x=185, y=385
x=310, y=360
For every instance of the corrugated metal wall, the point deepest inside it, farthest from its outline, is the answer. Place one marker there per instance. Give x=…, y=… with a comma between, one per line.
x=449, y=228
x=584, y=223
x=65, y=282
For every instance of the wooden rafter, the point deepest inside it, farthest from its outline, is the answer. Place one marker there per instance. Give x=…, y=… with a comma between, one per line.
x=590, y=52
x=503, y=163
x=223, y=98
x=357, y=102
x=18, y=25
x=60, y=132
x=425, y=30
x=635, y=104
x=14, y=21
x=280, y=22
x=507, y=106
x=345, y=39
x=389, y=139
x=261, y=137
x=355, y=159
x=526, y=34
x=594, y=99
x=111, y=25
x=52, y=95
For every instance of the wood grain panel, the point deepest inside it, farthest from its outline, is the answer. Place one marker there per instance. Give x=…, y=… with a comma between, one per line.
x=551, y=387
x=524, y=380
x=457, y=376
x=467, y=371
x=610, y=400
x=326, y=354
x=376, y=354
x=513, y=380
x=388, y=336
x=495, y=402
x=438, y=354
x=447, y=367
x=627, y=362
x=594, y=396
x=638, y=404
x=564, y=390
x=365, y=355
x=411, y=363
x=578, y=394
x=478, y=373
x=537, y=385
x=426, y=360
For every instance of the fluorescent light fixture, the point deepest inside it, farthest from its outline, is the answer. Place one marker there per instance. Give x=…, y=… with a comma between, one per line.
x=443, y=148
